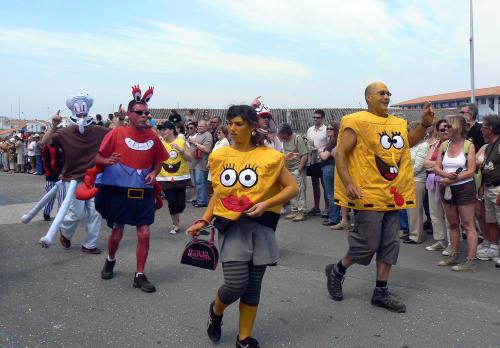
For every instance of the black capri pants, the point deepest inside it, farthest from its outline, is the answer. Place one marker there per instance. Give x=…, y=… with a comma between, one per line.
x=242, y=280
x=176, y=198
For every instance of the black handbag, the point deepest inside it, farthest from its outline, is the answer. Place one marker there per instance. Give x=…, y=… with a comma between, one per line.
x=201, y=253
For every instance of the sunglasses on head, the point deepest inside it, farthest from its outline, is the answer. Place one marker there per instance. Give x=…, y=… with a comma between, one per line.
x=141, y=112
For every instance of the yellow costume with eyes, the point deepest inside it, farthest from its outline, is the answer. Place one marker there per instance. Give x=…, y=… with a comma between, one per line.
x=379, y=164
x=175, y=168
x=241, y=179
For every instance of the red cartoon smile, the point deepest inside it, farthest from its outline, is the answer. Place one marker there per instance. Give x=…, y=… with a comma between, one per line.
x=388, y=172
x=238, y=205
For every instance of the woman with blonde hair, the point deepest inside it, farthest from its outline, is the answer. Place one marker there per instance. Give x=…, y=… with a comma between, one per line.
x=458, y=192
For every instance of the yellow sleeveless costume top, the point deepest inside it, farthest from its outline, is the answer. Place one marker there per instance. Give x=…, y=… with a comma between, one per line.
x=175, y=168
x=379, y=164
x=241, y=179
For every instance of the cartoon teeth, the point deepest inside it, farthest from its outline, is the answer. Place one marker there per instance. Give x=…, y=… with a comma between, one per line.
x=139, y=146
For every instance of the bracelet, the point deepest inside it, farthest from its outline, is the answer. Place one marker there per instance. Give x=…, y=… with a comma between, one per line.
x=425, y=126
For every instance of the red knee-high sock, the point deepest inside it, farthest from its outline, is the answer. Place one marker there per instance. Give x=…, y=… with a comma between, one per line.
x=142, y=247
x=114, y=240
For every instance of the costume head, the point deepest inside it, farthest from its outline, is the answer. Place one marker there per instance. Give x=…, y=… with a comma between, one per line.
x=263, y=111
x=80, y=105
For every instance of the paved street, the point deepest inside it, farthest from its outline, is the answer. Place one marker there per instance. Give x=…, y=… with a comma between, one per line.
x=55, y=298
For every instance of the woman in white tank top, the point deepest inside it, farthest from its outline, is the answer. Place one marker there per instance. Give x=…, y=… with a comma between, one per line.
x=458, y=192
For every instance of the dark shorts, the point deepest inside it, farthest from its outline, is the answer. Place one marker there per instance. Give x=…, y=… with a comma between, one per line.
x=314, y=170
x=176, y=198
x=463, y=194
x=374, y=232
x=116, y=206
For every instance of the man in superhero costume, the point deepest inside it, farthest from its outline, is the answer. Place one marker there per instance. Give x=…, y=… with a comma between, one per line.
x=127, y=193
x=374, y=177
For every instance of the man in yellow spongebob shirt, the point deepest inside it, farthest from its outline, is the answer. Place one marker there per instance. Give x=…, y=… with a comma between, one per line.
x=374, y=177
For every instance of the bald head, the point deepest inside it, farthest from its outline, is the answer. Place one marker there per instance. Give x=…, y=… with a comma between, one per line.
x=377, y=97
x=374, y=87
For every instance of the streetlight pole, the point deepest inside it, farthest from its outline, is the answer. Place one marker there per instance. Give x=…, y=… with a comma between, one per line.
x=471, y=43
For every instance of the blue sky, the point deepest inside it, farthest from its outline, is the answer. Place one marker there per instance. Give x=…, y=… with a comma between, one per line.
x=213, y=53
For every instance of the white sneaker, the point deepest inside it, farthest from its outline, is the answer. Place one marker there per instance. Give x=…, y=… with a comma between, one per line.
x=487, y=254
x=435, y=247
x=174, y=230
x=447, y=251
x=483, y=245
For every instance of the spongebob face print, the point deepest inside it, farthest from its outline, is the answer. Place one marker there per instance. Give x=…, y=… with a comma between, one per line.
x=395, y=141
x=242, y=179
x=247, y=178
x=379, y=165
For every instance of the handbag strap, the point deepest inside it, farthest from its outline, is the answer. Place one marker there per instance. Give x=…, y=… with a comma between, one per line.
x=208, y=225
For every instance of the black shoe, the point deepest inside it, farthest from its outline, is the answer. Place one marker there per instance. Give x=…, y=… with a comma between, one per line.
x=383, y=298
x=142, y=282
x=65, y=242
x=94, y=251
x=313, y=212
x=198, y=205
x=107, y=270
x=214, y=323
x=46, y=217
x=328, y=223
x=248, y=342
x=334, y=280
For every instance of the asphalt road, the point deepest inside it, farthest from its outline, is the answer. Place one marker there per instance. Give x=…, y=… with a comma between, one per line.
x=55, y=298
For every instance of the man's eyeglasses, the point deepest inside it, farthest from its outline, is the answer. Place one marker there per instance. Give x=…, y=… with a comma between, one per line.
x=140, y=113
x=382, y=93
x=332, y=129
x=317, y=117
x=265, y=117
x=464, y=112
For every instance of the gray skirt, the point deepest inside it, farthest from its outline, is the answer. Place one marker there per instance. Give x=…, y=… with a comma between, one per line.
x=247, y=240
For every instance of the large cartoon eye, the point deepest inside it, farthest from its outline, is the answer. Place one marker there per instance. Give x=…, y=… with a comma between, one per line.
x=397, y=141
x=172, y=154
x=386, y=141
x=228, y=177
x=77, y=108
x=83, y=108
x=248, y=177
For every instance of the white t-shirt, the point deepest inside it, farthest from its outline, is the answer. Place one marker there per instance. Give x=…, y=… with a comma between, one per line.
x=318, y=137
x=31, y=148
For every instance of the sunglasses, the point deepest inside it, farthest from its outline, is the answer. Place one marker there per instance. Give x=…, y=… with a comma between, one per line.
x=332, y=129
x=140, y=113
x=444, y=128
x=265, y=117
x=317, y=117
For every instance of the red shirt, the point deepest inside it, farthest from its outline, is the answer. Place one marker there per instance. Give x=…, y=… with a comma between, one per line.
x=137, y=149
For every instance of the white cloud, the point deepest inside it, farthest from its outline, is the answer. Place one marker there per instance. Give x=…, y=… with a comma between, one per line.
x=161, y=48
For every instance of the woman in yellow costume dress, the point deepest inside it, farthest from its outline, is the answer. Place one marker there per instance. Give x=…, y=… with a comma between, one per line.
x=250, y=186
x=174, y=174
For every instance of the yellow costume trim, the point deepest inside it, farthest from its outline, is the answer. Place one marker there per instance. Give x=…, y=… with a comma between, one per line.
x=379, y=164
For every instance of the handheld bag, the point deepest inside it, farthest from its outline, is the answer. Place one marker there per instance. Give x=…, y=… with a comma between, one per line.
x=201, y=253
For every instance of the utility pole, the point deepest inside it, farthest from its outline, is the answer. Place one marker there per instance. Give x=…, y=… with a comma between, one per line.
x=19, y=108
x=471, y=43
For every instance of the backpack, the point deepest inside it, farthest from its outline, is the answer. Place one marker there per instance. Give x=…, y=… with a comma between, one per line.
x=446, y=144
x=312, y=152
